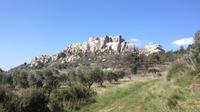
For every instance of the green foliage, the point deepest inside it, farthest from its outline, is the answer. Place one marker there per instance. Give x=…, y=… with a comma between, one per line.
x=70, y=97
x=182, y=51
x=8, y=100
x=33, y=100
x=2, y=94
x=32, y=80
x=114, y=75
x=134, y=70
x=50, y=81
x=61, y=91
x=86, y=76
x=98, y=76
x=20, y=78
x=186, y=79
x=155, y=58
x=172, y=100
x=195, y=50
x=1, y=77
x=175, y=70
x=2, y=109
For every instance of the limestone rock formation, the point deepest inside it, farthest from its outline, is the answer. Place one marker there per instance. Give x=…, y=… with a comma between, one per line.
x=152, y=48
x=94, y=45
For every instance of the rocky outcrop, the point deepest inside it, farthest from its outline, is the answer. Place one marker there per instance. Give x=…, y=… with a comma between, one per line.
x=152, y=48
x=94, y=45
x=101, y=44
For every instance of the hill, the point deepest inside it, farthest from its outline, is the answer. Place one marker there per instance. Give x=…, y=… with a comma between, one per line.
x=101, y=50
x=108, y=77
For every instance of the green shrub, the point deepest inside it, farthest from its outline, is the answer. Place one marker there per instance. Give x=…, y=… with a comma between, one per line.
x=19, y=78
x=176, y=69
x=70, y=97
x=2, y=109
x=33, y=100
x=85, y=75
x=8, y=100
x=114, y=75
x=195, y=50
x=32, y=80
x=186, y=79
x=98, y=76
x=5, y=78
x=1, y=77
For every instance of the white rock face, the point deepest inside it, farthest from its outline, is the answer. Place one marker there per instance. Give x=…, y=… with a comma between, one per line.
x=93, y=45
x=152, y=48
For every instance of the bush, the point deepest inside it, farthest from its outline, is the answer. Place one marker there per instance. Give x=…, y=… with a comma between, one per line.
x=8, y=100
x=46, y=78
x=7, y=79
x=2, y=109
x=176, y=69
x=33, y=100
x=32, y=80
x=3, y=96
x=114, y=75
x=195, y=50
x=98, y=76
x=20, y=78
x=70, y=97
x=50, y=81
x=1, y=77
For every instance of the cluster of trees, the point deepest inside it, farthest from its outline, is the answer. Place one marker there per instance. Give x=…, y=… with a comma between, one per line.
x=51, y=90
x=189, y=59
x=88, y=76
x=48, y=90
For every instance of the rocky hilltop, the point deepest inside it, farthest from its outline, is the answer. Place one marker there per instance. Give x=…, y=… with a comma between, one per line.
x=94, y=45
x=101, y=44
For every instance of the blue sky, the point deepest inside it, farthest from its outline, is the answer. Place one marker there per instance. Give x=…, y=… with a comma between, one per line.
x=32, y=27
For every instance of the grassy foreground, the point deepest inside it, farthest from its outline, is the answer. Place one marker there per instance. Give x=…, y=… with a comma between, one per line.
x=158, y=95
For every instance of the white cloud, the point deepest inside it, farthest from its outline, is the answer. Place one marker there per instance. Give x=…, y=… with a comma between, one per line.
x=135, y=41
x=183, y=41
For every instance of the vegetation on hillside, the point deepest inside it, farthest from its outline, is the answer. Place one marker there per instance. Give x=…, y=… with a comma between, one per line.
x=71, y=87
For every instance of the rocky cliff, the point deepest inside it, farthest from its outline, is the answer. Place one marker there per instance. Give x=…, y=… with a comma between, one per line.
x=101, y=44
x=95, y=45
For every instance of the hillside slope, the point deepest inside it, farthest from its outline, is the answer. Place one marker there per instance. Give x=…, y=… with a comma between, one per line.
x=158, y=95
